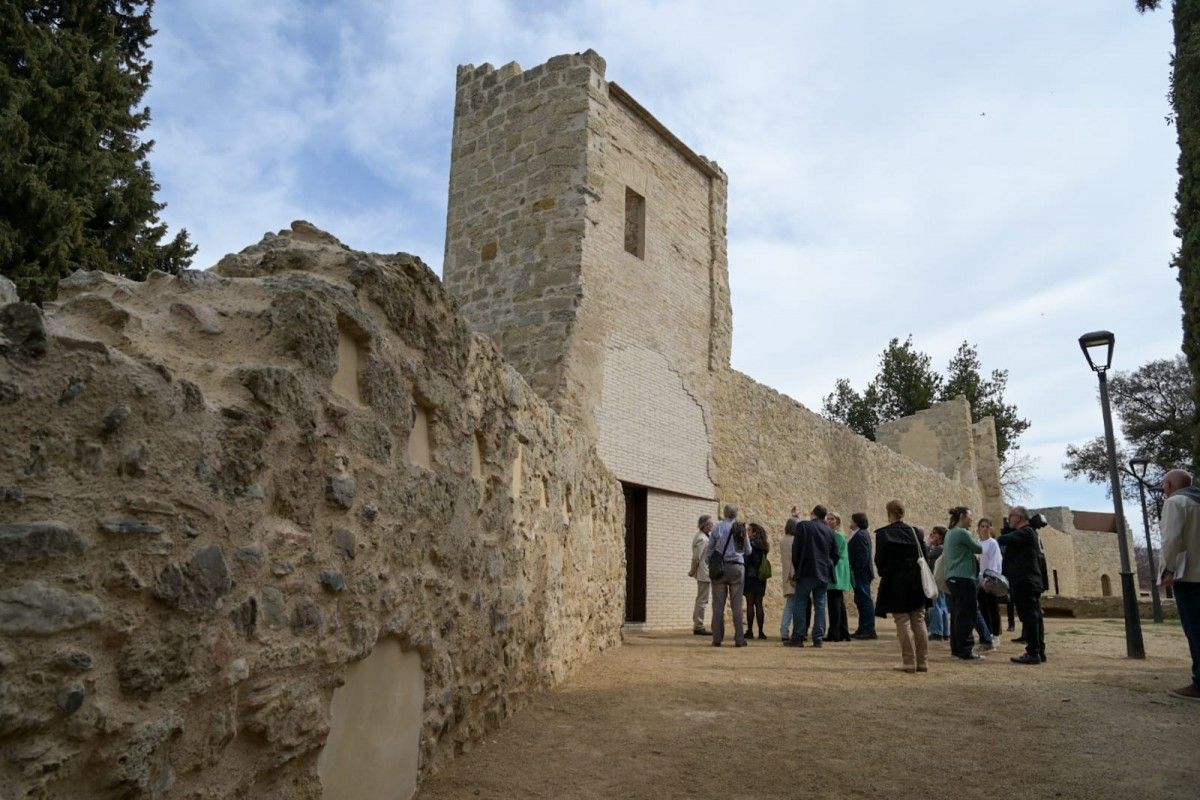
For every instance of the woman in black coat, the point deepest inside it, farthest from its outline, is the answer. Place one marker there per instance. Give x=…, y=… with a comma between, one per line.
x=897, y=548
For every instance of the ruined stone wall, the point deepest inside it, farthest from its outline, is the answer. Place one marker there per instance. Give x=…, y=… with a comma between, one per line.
x=773, y=453
x=211, y=513
x=1059, y=548
x=1097, y=554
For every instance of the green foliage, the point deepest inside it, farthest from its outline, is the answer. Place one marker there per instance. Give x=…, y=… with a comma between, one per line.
x=907, y=383
x=76, y=190
x=1154, y=406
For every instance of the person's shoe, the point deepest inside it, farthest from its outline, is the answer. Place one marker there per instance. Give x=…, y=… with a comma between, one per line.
x=1189, y=692
x=936, y=637
x=922, y=668
x=1019, y=640
x=990, y=647
x=739, y=644
x=794, y=643
x=700, y=632
x=762, y=635
x=716, y=644
x=1042, y=658
x=970, y=657
x=866, y=636
x=1026, y=658
x=818, y=643
x=905, y=669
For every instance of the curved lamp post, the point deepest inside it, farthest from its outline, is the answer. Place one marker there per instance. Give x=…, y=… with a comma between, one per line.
x=1097, y=348
x=1138, y=467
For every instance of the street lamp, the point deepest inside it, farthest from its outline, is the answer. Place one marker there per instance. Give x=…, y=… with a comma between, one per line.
x=1138, y=467
x=1097, y=348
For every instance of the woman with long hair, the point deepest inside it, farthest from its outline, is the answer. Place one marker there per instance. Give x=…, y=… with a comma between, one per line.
x=755, y=588
x=962, y=572
x=839, y=620
x=897, y=549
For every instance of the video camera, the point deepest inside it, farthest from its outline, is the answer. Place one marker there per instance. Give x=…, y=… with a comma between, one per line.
x=1037, y=522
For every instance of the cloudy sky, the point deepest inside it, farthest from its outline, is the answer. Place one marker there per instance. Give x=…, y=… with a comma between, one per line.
x=998, y=172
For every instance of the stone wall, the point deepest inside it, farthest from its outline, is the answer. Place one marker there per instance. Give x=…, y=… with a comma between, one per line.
x=209, y=516
x=773, y=453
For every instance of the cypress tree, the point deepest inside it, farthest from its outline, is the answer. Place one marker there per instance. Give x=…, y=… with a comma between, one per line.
x=76, y=189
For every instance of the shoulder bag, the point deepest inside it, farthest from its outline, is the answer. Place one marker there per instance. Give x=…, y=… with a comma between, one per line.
x=928, y=585
x=716, y=561
x=939, y=573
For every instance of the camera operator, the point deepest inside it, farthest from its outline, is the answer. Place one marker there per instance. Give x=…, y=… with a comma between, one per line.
x=1023, y=552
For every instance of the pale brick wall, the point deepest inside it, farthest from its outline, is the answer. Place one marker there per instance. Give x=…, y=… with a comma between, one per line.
x=670, y=525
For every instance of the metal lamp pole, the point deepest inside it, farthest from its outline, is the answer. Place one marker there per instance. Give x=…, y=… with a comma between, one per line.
x=1134, y=646
x=1138, y=467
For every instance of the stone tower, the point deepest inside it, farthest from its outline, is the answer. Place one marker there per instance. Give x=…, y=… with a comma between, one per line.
x=589, y=242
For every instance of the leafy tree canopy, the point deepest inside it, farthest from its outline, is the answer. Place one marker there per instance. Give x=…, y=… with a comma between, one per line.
x=1154, y=407
x=907, y=383
x=76, y=190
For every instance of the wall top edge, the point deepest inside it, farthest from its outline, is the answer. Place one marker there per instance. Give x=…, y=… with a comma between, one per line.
x=706, y=167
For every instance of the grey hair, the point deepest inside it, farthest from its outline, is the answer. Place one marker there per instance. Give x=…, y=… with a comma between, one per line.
x=1020, y=511
x=731, y=511
x=704, y=520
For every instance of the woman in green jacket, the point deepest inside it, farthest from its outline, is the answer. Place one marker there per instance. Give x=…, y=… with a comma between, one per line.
x=962, y=573
x=839, y=623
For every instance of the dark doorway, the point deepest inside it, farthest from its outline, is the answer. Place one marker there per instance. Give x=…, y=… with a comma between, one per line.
x=635, y=553
x=1105, y=586
x=1056, y=591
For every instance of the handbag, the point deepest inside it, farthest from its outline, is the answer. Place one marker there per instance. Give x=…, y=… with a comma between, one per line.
x=928, y=586
x=994, y=583
x=716, y=561
x=764, y=569
x=939, y=573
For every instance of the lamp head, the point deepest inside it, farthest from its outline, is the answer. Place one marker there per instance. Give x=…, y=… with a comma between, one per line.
x=1097, y=348
x=1138, y=467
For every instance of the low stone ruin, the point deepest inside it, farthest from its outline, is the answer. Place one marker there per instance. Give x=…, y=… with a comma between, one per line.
x=221, y=491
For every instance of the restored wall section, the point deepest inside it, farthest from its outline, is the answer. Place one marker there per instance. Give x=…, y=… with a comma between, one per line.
x=772, y=453
x=201, y=531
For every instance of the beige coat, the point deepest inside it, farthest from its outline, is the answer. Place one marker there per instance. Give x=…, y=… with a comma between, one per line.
x=699, y=570
x=1180, y=527
x=785, y=552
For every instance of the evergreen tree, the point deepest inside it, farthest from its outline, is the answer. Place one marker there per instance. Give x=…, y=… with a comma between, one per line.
x=1185, y=104
x=985, y=396
x=76, y=190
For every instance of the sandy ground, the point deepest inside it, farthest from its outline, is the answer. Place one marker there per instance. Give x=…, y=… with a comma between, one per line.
x=669, y=716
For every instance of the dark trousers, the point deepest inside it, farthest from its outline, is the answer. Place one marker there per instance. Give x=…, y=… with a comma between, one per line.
x=1187, y=600
x=989, y=606
x=1029, y=609
x=839, y=620
x=964, y=608
x=865, y=606
x=1008, y=601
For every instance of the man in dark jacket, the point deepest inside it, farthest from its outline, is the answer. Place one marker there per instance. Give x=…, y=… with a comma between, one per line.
x=862, y=573
x=1023, y=554
x=814, y=552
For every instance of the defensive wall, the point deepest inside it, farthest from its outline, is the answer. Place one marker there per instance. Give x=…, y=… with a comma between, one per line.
x=1083, y=563
x=591, y=242
x=282, y=529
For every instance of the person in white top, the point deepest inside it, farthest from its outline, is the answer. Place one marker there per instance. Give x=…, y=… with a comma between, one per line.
x=699, y=571
x=1180, y=528
x=789, y=579
x=990, y=560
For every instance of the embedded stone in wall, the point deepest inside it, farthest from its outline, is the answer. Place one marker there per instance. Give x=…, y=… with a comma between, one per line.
x=419, y=446
x=345, y=380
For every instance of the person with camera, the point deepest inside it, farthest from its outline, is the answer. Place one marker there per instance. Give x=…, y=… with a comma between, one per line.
x=1023, y=553
x=730, y=541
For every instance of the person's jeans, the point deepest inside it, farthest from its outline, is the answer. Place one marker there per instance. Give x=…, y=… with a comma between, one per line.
x=989, y=606
x=965, y=602
x=1187, y=600
x=1029, y=609
x=939, y=615
x=815, y=589
x=730, y=585
x=865, y=606
x=786, y=624
x=703, y=590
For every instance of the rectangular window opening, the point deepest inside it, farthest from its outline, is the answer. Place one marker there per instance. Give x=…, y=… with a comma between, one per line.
x=635, y=223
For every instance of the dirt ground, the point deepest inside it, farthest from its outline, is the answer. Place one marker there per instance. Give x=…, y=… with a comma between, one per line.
x=670, y=716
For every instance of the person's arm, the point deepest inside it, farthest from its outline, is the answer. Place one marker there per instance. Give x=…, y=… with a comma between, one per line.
x=697, y=549
x=1170, y=528
x=879, y=552
x=835, y=552
x=974, y=544
x=1020, y=538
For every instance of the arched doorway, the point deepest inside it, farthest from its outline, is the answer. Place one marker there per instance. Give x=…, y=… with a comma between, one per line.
x=1105, y=586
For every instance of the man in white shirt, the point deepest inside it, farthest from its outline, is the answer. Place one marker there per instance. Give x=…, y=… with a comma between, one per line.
x=1180, y=528
x=699, y=571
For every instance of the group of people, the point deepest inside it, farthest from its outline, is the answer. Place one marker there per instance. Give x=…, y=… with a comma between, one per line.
x=821, y=564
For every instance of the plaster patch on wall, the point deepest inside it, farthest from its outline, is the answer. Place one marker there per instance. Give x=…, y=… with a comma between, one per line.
x=345, y=380
x=419, y=446
x=373, y=748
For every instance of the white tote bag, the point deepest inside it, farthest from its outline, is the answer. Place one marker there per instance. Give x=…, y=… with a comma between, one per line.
x=928, y=585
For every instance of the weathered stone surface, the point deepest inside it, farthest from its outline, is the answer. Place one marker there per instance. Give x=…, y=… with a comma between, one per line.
x=245, y=617
x=33, y=541
x=22, y=331
x=340, y=490
x=73, y=390
x=36, y=609
x=8, y=292
x=333, y=581
x=344, y=542
x=155, y=659
x=70, y=698
x=197, y=585
x=129, y=526
x=114, y=420
x=72, y=660
x=306, y=617
x=274, y=610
